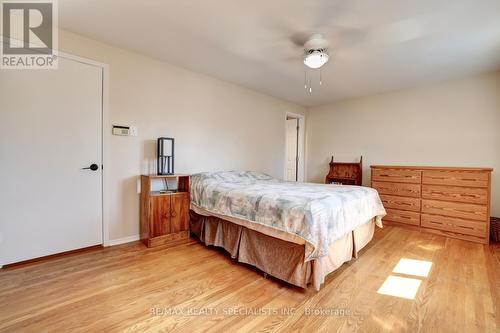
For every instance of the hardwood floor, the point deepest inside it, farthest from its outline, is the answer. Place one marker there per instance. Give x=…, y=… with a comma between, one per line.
x=132, y=288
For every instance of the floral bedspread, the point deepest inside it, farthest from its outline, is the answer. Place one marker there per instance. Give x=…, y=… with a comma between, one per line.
x=317, y=213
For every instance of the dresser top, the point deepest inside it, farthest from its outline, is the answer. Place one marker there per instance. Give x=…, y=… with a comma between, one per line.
x=429, y=168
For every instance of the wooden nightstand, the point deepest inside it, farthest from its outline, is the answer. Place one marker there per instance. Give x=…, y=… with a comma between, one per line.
x=164, y=216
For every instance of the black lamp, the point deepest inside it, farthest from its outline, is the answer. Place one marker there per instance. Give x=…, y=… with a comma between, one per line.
x=165, y=162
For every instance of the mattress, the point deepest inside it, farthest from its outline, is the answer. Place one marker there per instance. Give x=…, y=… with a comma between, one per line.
x=315, y=215
x=262, y=228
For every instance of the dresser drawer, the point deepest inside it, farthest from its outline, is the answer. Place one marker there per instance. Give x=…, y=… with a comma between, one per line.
x=402, y=189
x=402, y=216
x=456, y=178
x=476, y=195
x=397, y=175
x=403, y=203
x=452, y=224
x=455, y=209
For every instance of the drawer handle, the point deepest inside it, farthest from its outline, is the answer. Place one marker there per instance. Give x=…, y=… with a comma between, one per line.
x=172, y=213
x=397, y=175
x=453, y=178
x=459, y=226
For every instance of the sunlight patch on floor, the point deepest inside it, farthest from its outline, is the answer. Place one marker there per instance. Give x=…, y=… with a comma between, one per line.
x=431, y=247
x=413, y=267
x=400, y=287
x=406, y=286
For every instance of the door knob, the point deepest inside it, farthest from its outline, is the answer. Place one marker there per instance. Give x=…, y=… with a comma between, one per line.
x=93, y=167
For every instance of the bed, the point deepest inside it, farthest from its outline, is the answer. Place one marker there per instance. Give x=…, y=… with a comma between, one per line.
x=296, y=232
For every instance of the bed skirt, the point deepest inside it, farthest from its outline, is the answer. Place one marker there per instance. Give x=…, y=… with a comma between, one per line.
x=279, y=258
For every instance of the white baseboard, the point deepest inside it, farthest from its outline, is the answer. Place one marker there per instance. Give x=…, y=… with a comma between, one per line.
x=124, y=240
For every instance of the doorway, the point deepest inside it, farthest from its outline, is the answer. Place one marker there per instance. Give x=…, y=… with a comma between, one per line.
x=294, y=148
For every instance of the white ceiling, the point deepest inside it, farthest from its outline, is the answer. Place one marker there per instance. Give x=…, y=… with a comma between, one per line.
x=377, y=46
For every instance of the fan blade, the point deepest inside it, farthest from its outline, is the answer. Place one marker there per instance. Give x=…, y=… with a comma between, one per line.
x=328, y=12
x=300, y=38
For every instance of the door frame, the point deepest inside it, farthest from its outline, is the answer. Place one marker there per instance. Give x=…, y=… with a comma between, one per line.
x=105, y=144
x=301, y=145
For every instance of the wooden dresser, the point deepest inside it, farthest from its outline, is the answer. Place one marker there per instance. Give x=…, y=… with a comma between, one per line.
x=164, y=216
x=452, y=202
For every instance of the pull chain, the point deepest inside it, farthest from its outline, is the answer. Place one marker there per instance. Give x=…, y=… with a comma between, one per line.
x=307, y=80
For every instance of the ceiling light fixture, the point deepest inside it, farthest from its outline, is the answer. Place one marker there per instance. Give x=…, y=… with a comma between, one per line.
x=315, y=57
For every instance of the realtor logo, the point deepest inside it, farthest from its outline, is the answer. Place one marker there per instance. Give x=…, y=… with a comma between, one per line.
x=29, y=34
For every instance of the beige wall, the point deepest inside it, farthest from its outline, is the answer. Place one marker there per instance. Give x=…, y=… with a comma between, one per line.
x=454, y=123
x=220, y=126
x=216, y=125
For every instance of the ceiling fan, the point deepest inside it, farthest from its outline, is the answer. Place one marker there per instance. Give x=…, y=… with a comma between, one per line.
x=316, y=51
x=315, y=56
x=335, y=20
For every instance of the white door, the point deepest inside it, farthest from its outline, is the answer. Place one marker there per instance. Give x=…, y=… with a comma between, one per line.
x=291, y=149
x=50, y=128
